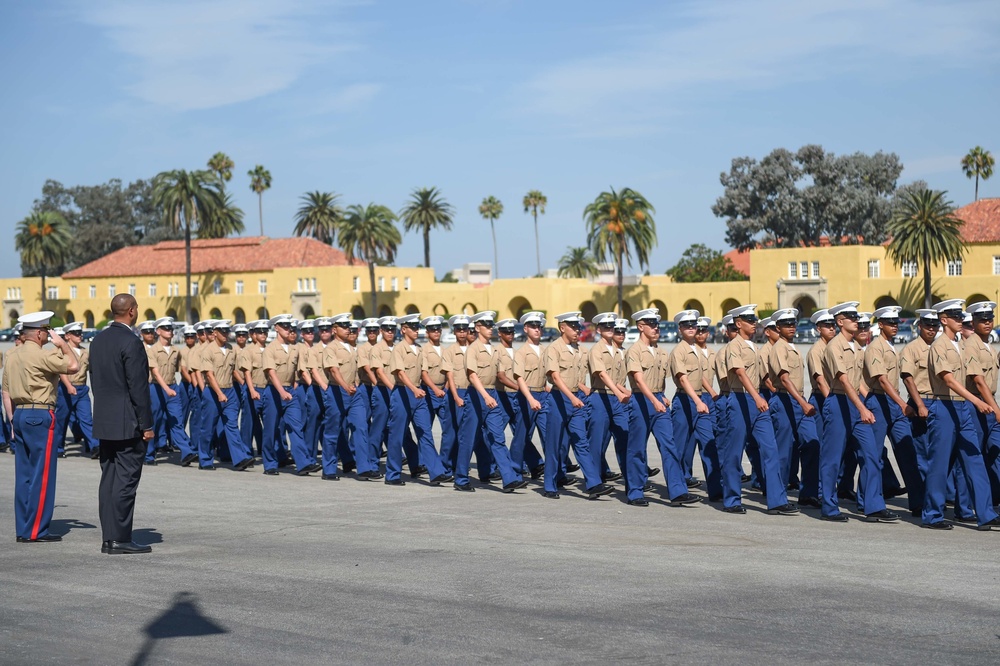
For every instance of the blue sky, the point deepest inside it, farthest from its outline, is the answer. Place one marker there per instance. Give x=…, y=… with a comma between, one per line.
x=481, y=97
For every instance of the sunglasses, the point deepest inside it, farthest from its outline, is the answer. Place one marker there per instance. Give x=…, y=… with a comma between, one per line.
x=486, y=322
x=412, y=327
x=533, y=324
x=506, y=330
x=460, y=327
x=930, y=323
x=650, y=322
x=433, y=329
x=888, y=322
x=687, y=324
x=387, y=328
x=750, y=319
x=702, y=329
x=620, y=330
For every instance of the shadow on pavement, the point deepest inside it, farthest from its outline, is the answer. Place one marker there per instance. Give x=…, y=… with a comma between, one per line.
x=182, y=620
x=63, y=526
x=147, y=535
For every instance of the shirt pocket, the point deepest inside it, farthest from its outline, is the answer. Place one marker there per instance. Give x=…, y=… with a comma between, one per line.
x=566, y=359
x=531, y=362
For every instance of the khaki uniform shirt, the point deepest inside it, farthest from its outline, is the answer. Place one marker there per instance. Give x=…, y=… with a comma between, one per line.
x=275, y=357
x=814, y=363
x=688, y=360
x=364, y=359
x=981, y=361
x=946, y=357
x=6, y=374
x=344, y=357
x=432, y=362
x=150, y=360
x=381, y=355
x=605, y=358
x=167, y=361
x=251, y=358
x=881, y=359
x=721, y=371
x=528, y=364
x=32, y=374
x=306, y=361
x=505, y=364
x=913, y=361
x=784, y=357
x=652, y=362
x=571, y=363
x=222, y=362
x=405, y=357
x=841, y=357
x=764, y=364
x=709, y=371
x=83, y=358
x=484, y=360
x=454, y=362
x=741, y=353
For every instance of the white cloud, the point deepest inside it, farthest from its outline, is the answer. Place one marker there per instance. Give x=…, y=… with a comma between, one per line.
x=200, y=54
x=728, y=47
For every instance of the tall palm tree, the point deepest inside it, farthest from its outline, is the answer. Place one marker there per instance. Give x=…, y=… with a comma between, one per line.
x=187, y=199
x=925, y=230
x=260, y=180
x=222, y=166
x=425, y=210
x=491, y=209
x=578, y=262
x=319, y=216
x=978, y=164
x=369, y=233
x=618, y=224
x=225, y=220
x=43, y=239
x=535, y=201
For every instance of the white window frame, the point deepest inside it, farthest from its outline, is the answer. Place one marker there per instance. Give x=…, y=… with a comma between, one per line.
x=803, y=270
x=112, y=291
x=996, y=265
x=815, y=270
x=262, y=287
x=239, y=287
x=394, y=284
x=356, y=283
x=152, y=290
x=381, y=284
x=217, y=286
x=909, y=269
x=131, y=289
x=194, y=288
x=955, y=268
x=406, y=284
x=93, y=291
x=874, y=269
x=793, y=270
x=72, y=292
x=52, y=293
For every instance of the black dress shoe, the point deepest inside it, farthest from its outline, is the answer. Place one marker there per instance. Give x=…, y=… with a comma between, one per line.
x=284, y=462
x=566, y=481
x=514, y=485
x=647, y=488
x=243, y=464
x=916, y=513
x=127, y=548
x=835, y=518
x=441, y=478
x=642, y=501
x=417, y=473
x=968, y=520
x=848, y=495
x=783, y=510
x=744, y=478
x=693, y=483
x=652, y=471
x=793, y=484
x=686, y=498
x=421, y=469
x=370, y=476
x=986, y=527
x=715, y=498
x=883, y=516
x=348, y=468
x=538, y=472
x=148, y=463
x=896, y=492
x=572, y=467
x=271, y=472
x=104, y=546
x=464, y=487
x=811, y=502
x=600, y=490
x=206, y=467
x=739, y=509
x=613, y=476
x=304, y=471
x=939, y=525
x=96, y=453
x=495, y=476
x=188, y=459
x=46, y=538
x=394, y=482
x=331, y=477
x=548, y=494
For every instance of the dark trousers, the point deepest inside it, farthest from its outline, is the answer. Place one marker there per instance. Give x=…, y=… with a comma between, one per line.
x=121, y=467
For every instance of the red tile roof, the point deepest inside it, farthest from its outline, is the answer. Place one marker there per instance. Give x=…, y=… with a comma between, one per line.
x=740, y=260
x=222, y=255
x=982, y=221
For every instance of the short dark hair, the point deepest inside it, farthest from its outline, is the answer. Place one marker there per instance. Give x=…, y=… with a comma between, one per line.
x=122, y=303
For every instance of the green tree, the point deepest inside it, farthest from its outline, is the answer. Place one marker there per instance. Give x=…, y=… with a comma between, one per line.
x=225, y=220
x=978, y=164
x=699, y=263
x=260, y=180
x=222, y=166
x=369, y=233
x=925, y=230
x=187, y=199
x=618, y=225
x=578, y=262
x=535, y=202
x=319, y=216
x=425, y=210
x=491, y=209
x=43, y=240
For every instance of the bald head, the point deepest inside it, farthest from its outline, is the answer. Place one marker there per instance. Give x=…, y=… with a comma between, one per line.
x=125, y=309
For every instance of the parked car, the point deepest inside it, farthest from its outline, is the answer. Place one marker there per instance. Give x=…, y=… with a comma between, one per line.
x=588, y=333
x=549, y=334
x=995, y=335
x=447, y=336
x=805, y=332
x=631, y=335
x=6, y=334
x=907, y=331
x=669, y=332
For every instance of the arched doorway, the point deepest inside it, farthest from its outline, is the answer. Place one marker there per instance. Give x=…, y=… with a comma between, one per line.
x=975, y=298
x=384, y=311
x=88, y=319
x=469, y=309
x=885, y=301
x=261, y=314
x=195, y=315
x=70, y=317
x=660, y=306
x=215, y=313
x=172, y=313
x=627, y=310
x=357, y=312
x=588, y=310
x=805, y=305
x=149, y=314
x=694, y=304
x=518, y=306
x=239, y=317
x=440, y=310
x=412, y=309
x=107, y=316
x=728, y=305
x=307, y=312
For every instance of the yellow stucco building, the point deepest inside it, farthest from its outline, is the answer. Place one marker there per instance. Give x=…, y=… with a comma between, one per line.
x=242, y=278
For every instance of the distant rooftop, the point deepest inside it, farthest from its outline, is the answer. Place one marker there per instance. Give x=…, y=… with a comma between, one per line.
x=982, y=221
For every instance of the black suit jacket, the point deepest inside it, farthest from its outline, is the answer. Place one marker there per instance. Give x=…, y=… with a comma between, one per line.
x=119, y=376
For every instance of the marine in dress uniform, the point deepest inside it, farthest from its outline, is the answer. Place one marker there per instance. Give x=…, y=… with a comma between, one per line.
x=981, y=380
x=310, y=402
x=608, y=399
x=532, y=398
x=506, y=386
x=242, y=334
x=794, y=418
x=345, y=424
x=30, y=379
x=366, y=384
x=648, y=367
x=79, y=405
x=166, y=365
x=250, y=362
x=435, y=383
x=721, y=401
x=951, y=429
x=201, y=440
x=147, y=333
x=378, y=362
x=187, y=388
x=280, y=359
x=222, y=414
x=848, y=423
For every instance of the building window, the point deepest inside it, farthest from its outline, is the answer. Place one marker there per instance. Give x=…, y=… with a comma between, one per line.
x=72, y=292
x=262, y=287
x=381, y=284
x=53, y=293
x=356, y=283
x=152, y=289
x=406, y=284
x=954, y=267
x=815, y=270
x=194, y=288
x=996, y=265
x=909, y=269
x=312, y=284
x=111, y=291
x=873, y=268
x=217, y=286
x=298, y=284
x=131, y=290
x=395, y=284
x=793, y=270
x=93, y=291
x=239, y=287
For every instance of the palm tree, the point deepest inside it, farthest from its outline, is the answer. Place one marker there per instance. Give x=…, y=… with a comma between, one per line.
x=43, y=239
x=225, y=220
x=260, y=180
x=369, y=233
x=619, y=223
x=925, y=230
x=978, y=163
x=425, y=210
x=222, y=166
x=187, y=199
x=578, y=262
x=319, y=216
x=491, y=209
x=535, y=201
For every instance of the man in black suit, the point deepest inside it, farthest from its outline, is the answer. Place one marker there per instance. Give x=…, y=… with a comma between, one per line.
x=123, y=421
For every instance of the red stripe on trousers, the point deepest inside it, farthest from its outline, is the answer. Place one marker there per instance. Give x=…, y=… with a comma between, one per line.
x=45, y=475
